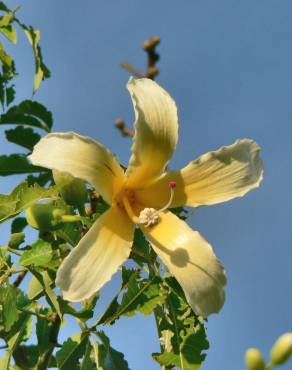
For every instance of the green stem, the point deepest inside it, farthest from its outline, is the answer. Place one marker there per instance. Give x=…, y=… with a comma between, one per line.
x=44, y=317
x=71, y=218
x=14, y=251
x=82, y=210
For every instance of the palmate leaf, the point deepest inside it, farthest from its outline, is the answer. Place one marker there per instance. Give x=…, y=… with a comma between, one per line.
x=23, y=136
x=22, y=197
x=30, y=113
x=106, y=357
x=72, y=350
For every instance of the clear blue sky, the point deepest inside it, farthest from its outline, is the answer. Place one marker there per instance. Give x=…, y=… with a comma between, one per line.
x=228, y=64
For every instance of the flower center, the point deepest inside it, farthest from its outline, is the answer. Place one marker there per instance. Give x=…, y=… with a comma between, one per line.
x=148, y=216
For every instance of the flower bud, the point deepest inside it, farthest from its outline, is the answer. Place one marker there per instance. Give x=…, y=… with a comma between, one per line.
x=254, y=359
x=44, y=216
x=73, y=190
x=282, y=349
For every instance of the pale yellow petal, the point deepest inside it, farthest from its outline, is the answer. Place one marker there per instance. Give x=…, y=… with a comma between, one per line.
x=97, y=256
x=81, y=157
x=156, y=131
x=215, y=177
x=191, y=260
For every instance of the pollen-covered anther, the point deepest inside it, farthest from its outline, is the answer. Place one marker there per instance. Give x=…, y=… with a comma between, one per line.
x=148, y=217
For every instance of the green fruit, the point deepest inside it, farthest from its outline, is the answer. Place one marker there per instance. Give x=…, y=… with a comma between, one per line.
x=44, y=217
x=72, y=190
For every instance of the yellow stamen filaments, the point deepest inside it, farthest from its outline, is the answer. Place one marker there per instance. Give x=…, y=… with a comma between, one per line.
x=129, y=210
x=148, y=216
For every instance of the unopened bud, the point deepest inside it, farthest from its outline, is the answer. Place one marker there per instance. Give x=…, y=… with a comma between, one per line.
x=254, y=359
x=282, y=349
x=73, y=190
x=43, y=216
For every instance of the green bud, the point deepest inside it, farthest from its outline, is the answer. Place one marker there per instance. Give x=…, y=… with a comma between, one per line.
x=254, y=359
x=282, y=349
x=73, y=190
x=43, y=216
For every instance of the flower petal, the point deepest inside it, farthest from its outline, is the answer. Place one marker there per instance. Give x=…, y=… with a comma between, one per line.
x=97, y=256
x=156, y=131
x=215, y=177
x=81, y=157
x=191, y=260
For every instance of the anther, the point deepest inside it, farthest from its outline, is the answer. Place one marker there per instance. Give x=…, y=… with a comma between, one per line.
x=149, y=216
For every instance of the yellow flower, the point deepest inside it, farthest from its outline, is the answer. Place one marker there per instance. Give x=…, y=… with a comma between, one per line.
x=141, y=195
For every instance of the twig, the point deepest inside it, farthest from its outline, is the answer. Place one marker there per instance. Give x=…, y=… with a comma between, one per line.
x=132, y=70
x=19, y=279
x=121, y=125
x=153, y=57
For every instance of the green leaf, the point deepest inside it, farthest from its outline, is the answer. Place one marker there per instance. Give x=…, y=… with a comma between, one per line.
x=16, y=164
x=3, y=7
x=106, y=357
x=87, y=362
x=18, y=224
x=43, y=330
x=186, y=333
x=44, y=279
x=40, y=254
x=6, y=19
x=7, y=62
x=26, y=357
x=16, y=239
x=22, y=197
x=72, y=350
x=36, y=289
x=10, y=94
x=30, y=113
x=189, y=356
x=15, y=336
x=10, y=33
x=70, y=233
x=8, y=300
x=141, y=251
x=23, y=136
x=141, y=295
x=42, y=179
x=41, y=70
